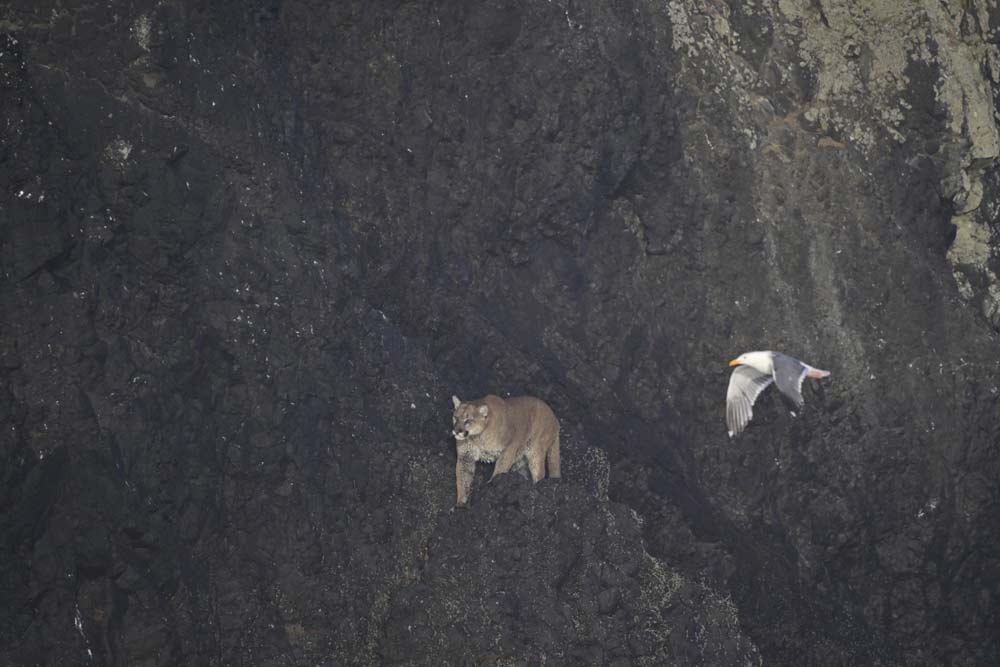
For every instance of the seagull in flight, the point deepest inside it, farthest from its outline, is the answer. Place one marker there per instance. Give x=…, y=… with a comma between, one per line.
x=753, y=373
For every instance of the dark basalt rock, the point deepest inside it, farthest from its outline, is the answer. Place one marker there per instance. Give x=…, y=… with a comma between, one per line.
x=550, y=574
x=248, y=251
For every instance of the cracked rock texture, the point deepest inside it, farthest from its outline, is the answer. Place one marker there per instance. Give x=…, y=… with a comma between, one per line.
x=249, y=250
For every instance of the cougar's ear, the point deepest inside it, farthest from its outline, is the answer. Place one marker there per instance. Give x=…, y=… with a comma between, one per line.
x=455, y=401
x=484, y=410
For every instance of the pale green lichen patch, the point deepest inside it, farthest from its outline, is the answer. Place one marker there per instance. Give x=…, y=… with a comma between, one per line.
x=141, y=29
x=117, y=153
x=972, y=242
x=969, y=256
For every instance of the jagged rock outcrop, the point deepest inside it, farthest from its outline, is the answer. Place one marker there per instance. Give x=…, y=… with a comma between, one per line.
x=249, y=251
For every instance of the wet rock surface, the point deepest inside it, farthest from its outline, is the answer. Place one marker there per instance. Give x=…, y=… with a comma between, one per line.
x=250, y=250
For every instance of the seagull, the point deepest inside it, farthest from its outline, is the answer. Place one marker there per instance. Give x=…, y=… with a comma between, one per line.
x=753, y=373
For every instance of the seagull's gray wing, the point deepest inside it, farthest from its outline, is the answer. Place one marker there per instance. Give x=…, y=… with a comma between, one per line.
x=745, y=385
x=788, y=375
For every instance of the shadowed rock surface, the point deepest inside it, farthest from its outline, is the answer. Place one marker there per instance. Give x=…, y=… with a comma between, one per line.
x=249, y=250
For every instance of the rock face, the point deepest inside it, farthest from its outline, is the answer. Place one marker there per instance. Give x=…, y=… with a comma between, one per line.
x=250, y=249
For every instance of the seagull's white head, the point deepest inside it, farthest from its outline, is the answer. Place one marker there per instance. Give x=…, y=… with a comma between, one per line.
x=761, y=361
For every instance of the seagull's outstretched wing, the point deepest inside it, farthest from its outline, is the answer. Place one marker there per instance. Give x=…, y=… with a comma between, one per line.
x=789, y=373
x=745, y=385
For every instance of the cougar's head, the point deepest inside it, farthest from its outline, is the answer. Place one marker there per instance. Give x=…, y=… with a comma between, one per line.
x=468, y=420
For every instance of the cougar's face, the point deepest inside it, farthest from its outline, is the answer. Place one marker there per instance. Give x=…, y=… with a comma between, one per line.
x=468, y=421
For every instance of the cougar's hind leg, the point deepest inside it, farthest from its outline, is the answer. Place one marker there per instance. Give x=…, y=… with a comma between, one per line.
x=552, y=459
x=536, y=464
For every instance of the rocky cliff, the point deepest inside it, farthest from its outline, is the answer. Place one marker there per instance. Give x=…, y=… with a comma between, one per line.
x=249, y=250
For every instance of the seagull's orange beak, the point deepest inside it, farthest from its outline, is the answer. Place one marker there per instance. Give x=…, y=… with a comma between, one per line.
x=735, y=362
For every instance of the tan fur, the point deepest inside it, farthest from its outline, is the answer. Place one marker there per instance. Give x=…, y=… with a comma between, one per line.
x=511, y=432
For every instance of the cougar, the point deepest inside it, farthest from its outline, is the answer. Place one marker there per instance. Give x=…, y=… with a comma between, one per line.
x=511, y=432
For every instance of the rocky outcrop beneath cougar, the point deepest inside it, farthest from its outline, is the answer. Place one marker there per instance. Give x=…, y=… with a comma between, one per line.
x=249, y=252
